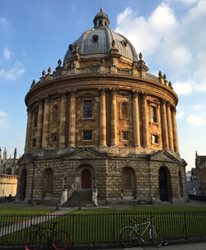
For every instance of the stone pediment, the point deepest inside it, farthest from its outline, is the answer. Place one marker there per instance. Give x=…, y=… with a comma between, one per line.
x=86, y=153
x=166, y=156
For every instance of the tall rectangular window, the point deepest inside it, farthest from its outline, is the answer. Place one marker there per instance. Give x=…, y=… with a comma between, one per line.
x=153, y=114
x=87, y=109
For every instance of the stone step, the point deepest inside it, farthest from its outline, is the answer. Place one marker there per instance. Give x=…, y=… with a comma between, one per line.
x=80, y=198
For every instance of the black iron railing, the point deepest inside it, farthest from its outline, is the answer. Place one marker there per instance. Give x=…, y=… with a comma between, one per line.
x=102, y=228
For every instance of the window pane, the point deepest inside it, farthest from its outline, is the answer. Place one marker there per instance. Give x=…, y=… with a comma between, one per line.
x=124, y=110
x=87, y=109
x=155, y=139
x=153, y=114
x=55, y=111
x=125, y=136
x=35, y=118
x=87, y=135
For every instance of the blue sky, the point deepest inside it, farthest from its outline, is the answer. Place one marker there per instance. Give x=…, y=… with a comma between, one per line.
x=171, y=34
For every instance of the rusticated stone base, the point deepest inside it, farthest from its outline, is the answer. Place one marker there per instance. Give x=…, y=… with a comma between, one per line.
x=139, y=179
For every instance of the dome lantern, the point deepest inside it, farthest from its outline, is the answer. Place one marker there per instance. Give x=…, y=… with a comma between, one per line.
x=101, y=19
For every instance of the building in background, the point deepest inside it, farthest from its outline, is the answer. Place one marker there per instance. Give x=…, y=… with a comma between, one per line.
x=192, y=181
x=101, y=126
x=8, y=174
x=200, y=162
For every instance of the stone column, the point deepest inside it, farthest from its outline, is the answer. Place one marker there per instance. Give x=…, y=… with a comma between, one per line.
x=144, y=120
x=175, y=135
x=28, y=132
x=113, y=118
x=169, y=122
x=72, y=119
x=62, y=126
x=164, y=125
x=45, y=136
x=136, y=127
x=39, y=126
x=102, y=119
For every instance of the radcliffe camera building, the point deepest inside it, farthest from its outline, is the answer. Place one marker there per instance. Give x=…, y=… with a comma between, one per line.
x=101, y=124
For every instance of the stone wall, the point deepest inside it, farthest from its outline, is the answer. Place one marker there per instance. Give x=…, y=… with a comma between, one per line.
x=108, y=175
x=8, y=185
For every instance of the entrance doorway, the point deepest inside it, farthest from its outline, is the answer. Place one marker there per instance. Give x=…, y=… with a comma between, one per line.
x=164, y=184
x=86, y=178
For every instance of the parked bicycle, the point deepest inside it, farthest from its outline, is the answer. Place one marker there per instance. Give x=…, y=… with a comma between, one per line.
x=139, y=233
x=39, y=236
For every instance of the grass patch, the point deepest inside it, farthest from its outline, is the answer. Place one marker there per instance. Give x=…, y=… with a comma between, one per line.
x=23, y=209
x=16, y=213
x=88, y=226
x=142, y=209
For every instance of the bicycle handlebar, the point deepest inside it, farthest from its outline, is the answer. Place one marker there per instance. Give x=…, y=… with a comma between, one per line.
x=144, y=219
x=39, y=226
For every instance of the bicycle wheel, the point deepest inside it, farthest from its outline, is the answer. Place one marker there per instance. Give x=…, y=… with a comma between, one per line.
x=61, y=240
x=155, y=238
x=129, y=237
x=32, y=241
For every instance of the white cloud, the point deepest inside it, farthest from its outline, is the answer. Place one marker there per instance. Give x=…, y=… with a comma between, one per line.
x=170, y=41
x=183, y=88
x=3, y=120
x=195, y=120
x=13, y=73
x=180, y=114
x=4, y=24
x=147, y=33
x=198, y=107
x=7, y=53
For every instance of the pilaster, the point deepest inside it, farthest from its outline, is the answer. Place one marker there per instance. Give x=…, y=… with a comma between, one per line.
x=72, y=119
x=113, y=117
x=136, y=125
x=45, y=124
x=102, y=118
x=62, y=132
x=164, y=125
x=39, y=126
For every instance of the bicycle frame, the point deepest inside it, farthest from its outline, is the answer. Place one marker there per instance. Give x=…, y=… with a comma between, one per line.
x=46, y=235
x=147, y=224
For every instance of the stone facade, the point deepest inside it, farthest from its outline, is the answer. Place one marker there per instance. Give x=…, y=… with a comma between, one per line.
x=102, y=121
x=8, y=174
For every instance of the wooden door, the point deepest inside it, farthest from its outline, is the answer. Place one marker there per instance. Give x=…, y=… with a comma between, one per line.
x=86, y=179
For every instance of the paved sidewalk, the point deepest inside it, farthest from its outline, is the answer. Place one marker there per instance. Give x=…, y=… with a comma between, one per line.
x=33, y=220
x=180, y=246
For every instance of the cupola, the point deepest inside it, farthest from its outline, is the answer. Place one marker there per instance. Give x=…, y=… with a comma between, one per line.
x=101, y=19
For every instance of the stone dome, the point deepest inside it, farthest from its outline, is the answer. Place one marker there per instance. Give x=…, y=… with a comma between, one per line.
x=100, y=40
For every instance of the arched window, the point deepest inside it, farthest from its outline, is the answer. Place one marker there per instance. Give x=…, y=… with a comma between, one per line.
x=55, y=113
x=124, y=110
